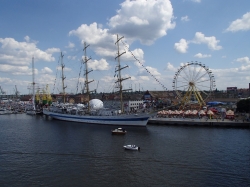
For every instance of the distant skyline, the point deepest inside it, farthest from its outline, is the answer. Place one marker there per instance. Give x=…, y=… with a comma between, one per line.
x=162, y=34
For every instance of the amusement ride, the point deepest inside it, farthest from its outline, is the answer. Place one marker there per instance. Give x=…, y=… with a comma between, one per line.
x=193, y=84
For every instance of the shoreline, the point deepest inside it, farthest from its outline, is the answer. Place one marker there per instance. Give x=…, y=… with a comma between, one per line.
x=199, y=122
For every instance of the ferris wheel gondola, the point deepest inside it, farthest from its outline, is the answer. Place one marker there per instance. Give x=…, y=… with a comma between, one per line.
x=193, y=83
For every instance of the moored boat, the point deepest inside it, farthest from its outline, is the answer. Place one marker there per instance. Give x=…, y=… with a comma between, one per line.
x=31, y=109
x=119, y=131
x=132, y=147
x=108, y=116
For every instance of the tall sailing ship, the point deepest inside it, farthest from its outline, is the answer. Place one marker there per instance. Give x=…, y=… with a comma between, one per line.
x=31, y=109
x=109, y=116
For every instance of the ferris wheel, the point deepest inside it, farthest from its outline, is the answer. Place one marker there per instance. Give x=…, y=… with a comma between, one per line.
x=193, y=83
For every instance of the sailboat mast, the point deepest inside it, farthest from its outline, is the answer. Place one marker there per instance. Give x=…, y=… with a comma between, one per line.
x=63, y=87
x=120, y=79
x=33, y=83
x=86, y=73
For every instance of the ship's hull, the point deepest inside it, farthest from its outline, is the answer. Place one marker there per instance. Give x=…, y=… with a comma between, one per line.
x=125, y=120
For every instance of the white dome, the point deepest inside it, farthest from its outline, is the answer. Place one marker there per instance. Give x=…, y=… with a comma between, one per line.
x=95, y=104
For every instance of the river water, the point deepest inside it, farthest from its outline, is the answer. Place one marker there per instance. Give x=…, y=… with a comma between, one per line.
x=37, y=151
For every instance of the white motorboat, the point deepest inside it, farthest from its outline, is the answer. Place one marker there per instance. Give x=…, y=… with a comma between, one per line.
x=119, y=131
x=131, y=147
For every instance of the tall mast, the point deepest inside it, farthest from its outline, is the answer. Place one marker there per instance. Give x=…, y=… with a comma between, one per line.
x=33, y=82
x=63, y=87
x=120, y=79
x=86, y=59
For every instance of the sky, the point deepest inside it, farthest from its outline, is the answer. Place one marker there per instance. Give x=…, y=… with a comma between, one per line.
x=159, y=37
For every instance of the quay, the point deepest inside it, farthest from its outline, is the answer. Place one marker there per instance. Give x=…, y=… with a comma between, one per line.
x=199, y=122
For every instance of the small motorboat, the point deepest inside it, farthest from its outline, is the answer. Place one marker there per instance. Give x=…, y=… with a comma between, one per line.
x=120, y=131
x=131, y=147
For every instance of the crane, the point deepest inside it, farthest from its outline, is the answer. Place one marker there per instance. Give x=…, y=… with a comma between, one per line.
x=2, y=91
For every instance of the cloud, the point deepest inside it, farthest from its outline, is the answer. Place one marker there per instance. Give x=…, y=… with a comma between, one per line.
x=136, y=57
x=243, y=60
x=143, y=20
x=184, y=18
x=92, y=34
x=199, y=55
x=182, y=46
x=17, y=53
x=196, y=1
x=171, y=67
x=52, y=50
x=14, y=69
x=59, y=68
x=144, y=78
x=46, y=70
x=27, y=38
x=145, y=71
x=240, y=24
x=99, y=39
x=232, y=77
x=211, y=41
x=70, y=45
x=98, y=64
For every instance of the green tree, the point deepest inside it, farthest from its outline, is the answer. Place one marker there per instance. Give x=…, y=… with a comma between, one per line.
x=243, y=105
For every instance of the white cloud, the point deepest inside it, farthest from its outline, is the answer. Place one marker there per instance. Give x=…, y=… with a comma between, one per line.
x=15, y=69
x=196, y=1
x=184, y=18
x=232, y=77
x=137, y=53
x=149, y=70
x=27, y=38
x=171, y=67
x=245, y=67
x=243, y=60
x=65, y=69
x=52, y=50
x=144, y=78
x=240, y=24
x=91, y=34
x=70, y=45
x=211, y=41
x=98, y=64
x=17, y=53
x=199, y=55
x=143, y=20
x=99, y=39
x=182, y=46
x=46, y=70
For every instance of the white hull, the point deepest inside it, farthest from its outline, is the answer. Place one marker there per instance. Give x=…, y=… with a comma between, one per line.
x=131, y=147
x=126, y=120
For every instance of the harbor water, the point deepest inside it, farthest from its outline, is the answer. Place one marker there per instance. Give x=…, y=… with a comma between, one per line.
x=38, y=151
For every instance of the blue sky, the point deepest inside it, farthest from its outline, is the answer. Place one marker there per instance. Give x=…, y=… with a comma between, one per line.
x=162, y=34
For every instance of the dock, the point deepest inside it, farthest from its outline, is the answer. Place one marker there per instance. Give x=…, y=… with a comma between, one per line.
x=199, y=122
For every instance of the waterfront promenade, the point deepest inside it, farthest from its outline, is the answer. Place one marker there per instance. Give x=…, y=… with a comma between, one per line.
x=199, y=122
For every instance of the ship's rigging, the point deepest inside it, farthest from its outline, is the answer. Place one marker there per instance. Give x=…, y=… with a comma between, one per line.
x=126, y=46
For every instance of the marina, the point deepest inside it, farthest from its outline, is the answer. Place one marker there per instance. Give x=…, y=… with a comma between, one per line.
x=199, y=122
